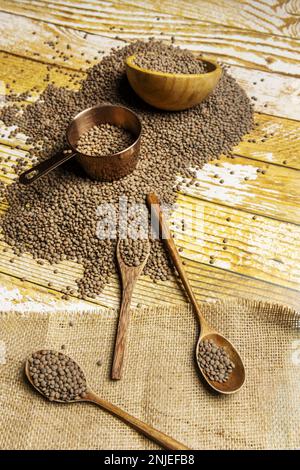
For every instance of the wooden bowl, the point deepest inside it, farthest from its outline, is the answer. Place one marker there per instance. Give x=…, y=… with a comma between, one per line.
x=169, y=91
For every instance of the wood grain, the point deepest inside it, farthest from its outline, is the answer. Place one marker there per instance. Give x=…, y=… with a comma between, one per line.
x=262, y=247
x=273, y=16
x=159, y=89
x=281, y=147
x=207, y=331
x=275, y=94
x=129, y=277
x=28, y=296
x=209, y=283
x=273, y=191
x=235, y=46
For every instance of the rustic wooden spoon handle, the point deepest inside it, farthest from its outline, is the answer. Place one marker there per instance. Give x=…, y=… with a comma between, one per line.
x=160, y=438
x=121, y=336
x=154, y=207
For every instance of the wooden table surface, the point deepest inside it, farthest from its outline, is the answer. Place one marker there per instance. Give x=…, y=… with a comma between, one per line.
x=258, y=213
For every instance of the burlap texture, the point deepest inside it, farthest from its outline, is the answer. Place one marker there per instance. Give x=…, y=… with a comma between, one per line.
x=160, y=384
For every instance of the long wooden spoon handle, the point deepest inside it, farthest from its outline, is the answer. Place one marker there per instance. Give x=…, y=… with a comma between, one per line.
x=157, y=213
x=121, y=336
x=160, y=438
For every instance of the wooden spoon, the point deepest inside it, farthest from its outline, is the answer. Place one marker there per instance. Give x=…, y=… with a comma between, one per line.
x=172, y=91
x=129, y=276
x=160, y=438
x=237, y=376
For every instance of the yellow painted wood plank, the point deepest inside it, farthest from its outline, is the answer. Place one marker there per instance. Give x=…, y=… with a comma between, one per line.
x=21, y=74
x=48, y=42
x=233, y=240
x=216, y=283
x=25, y=296
x=234, y=46
x=275, y=94
x=209, y=282
x=273, y=16
x=263, y=249
x=276, y=141
x=255, y=186
x=281, y=147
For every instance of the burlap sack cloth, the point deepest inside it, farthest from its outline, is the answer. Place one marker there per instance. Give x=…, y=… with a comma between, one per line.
x=160, y=384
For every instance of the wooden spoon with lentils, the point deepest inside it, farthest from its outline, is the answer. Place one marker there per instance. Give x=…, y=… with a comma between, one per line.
x=218, y=360
x=60, y=379
x=132, y=256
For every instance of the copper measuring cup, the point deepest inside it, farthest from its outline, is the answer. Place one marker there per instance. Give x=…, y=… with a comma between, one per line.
x=103, y=168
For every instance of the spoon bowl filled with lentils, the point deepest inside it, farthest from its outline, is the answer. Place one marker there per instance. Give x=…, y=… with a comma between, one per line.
x=220, y=363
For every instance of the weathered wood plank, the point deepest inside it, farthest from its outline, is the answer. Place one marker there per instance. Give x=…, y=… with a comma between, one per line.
x=21, y=74
x=209, y=284
x=276, y=95
x=258, y=187
x=27, y=296
x=282, y=146
x=252, y=185
x=273, y=16
x=233, y=45
x=257, y=247
x=209, y=281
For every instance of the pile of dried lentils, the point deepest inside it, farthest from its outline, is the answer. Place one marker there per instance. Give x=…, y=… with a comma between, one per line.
x=55, y=218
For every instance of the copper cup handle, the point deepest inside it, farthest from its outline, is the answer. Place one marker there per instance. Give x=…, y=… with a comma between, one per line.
x=41, y=169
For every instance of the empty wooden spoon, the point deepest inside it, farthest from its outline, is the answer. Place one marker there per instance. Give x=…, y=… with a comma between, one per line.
x=160, y=438
x=129, y=276
x=237, y=376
